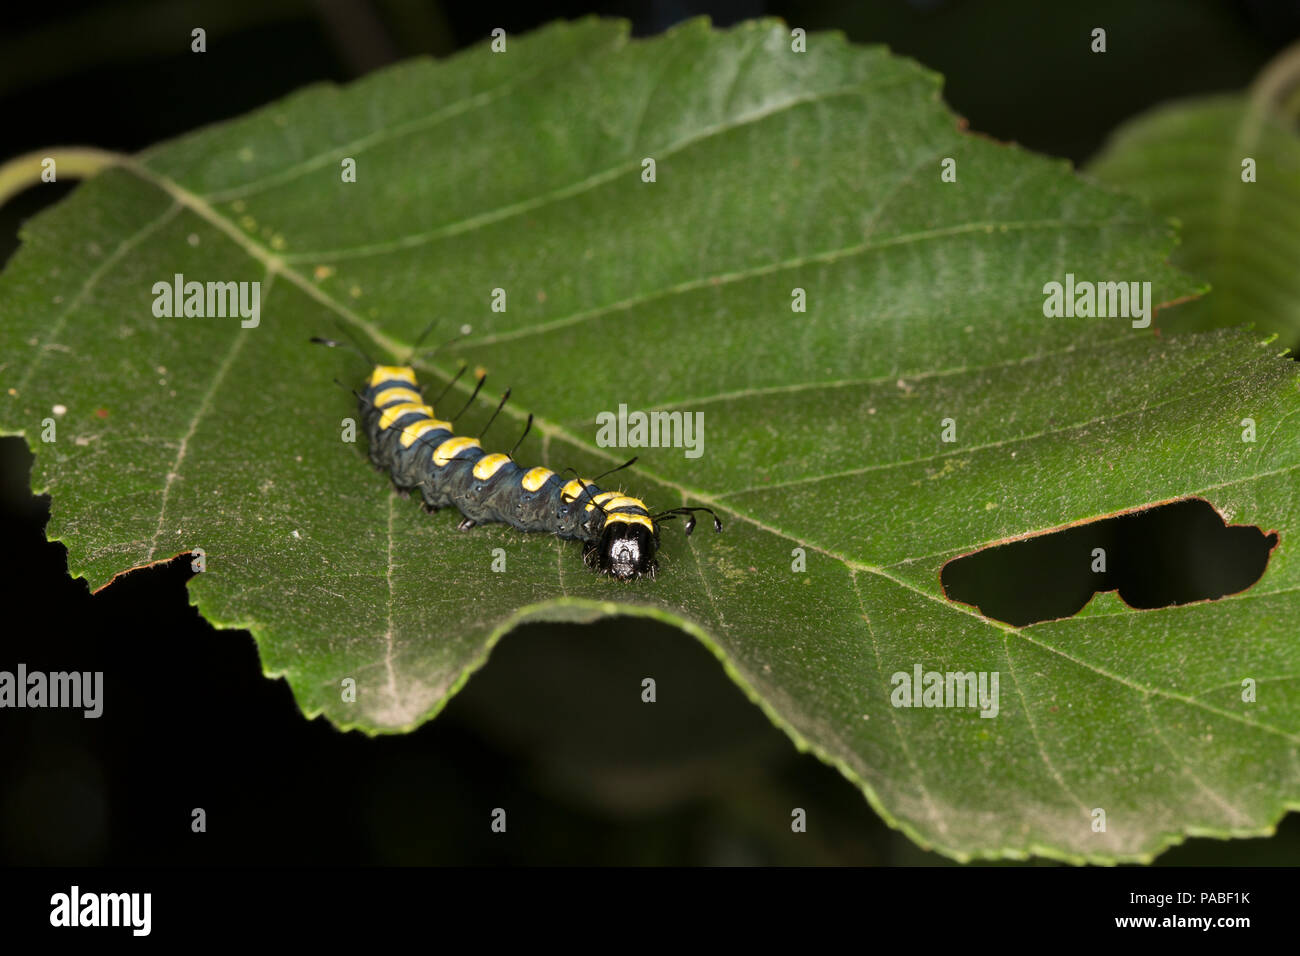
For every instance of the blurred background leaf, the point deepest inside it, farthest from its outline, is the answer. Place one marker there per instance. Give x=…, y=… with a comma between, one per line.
x=1187, y=159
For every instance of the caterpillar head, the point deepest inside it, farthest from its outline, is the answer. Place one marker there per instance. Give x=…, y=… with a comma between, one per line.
x=626, y=550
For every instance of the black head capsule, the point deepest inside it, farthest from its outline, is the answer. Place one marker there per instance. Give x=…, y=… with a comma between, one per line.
x=626, y=550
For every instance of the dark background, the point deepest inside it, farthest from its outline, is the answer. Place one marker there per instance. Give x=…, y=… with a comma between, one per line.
x=553, y=728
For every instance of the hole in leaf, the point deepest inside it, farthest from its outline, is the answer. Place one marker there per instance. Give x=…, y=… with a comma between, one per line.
x=1170, y=554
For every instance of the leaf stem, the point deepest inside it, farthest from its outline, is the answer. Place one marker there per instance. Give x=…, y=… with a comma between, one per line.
x=70, y=162
x=1277, y=88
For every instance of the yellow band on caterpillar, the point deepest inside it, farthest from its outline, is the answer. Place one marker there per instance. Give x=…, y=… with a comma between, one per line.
x=413, y=433
x=574, y=488
x=621, y=502
x=451, y=448
x=534, y=478
x=489, y=465
x=392, y=373
x=621, y=517
x=601, y=498
x=394, y=412
x=398, y=394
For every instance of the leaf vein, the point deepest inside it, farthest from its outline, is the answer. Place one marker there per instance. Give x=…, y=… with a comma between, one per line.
x=1005, y=442
x=893, y=716
x=359, y=145
x=124, y=247
x=205, y=403
x=587, y=184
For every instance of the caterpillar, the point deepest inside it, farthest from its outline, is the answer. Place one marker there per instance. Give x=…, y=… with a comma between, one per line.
x=421, y=452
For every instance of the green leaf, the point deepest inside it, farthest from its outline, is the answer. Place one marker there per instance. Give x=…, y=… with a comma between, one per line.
x=775, y=170
x=1186, y=159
